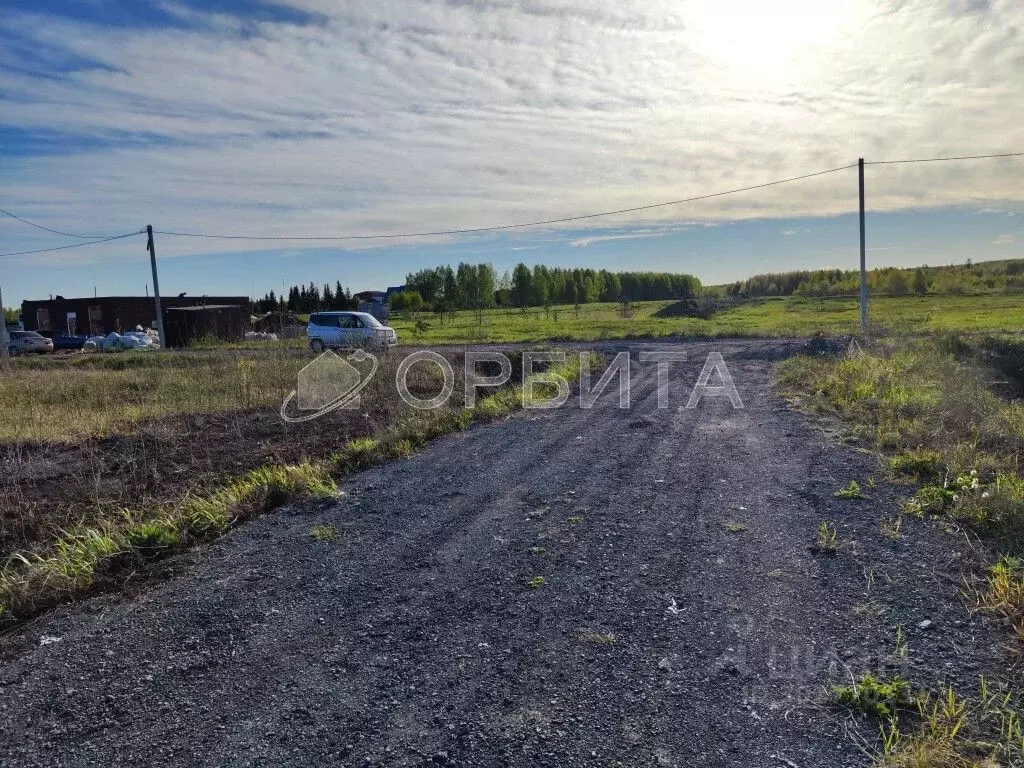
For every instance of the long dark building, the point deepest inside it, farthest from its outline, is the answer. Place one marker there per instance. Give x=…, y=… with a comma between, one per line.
x=101, y=315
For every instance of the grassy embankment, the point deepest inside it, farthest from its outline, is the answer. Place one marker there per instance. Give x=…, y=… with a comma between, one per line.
x=62, y=542
x=772, y=317
x=944, y=415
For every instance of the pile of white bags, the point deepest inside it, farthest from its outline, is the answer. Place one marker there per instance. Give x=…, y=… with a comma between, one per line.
x=117, y=342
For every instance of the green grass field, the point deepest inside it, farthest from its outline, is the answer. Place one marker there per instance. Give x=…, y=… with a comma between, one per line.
x=766, y=317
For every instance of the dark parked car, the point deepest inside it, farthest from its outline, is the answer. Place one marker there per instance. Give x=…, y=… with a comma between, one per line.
x=64, y=341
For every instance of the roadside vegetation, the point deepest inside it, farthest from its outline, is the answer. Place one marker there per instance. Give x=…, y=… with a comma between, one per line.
x=945, y=414
x=179, y=449
x=942, y=729
x=946, y=418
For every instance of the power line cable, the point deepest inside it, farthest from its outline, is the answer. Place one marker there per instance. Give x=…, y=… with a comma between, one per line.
x=74, y=245
x=486, y=229
x=942, y=159
x=589, y=215
x=509, y=226
x=48, y=229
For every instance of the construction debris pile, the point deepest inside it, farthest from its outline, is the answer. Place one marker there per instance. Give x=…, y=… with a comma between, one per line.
x=118, y=342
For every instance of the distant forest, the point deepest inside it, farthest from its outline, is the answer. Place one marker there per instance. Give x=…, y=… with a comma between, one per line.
x=984, y=277
x=477, y=286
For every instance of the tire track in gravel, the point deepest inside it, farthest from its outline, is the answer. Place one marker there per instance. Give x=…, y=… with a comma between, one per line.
x=658, y=637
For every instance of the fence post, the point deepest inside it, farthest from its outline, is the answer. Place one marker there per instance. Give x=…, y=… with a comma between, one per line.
x=863, y=264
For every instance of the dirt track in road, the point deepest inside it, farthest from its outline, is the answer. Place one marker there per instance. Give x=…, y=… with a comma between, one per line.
x=658, y=636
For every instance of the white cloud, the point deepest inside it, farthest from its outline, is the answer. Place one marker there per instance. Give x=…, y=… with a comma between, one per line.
x=1005, y=240
x=788, y=232
x=583, y=242
x=416, y=116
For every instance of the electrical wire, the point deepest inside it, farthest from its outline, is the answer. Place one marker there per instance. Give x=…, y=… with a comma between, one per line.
x=474, y=230
x=47, y=229
x=509, y=226
x=942, y=159
x=74, y=245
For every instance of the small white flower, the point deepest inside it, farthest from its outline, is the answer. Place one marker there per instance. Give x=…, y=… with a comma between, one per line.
x=985, y=494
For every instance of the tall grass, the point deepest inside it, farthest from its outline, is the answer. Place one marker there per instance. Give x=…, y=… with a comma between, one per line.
x=47, y=400
x=930, y=405
x=949, y=730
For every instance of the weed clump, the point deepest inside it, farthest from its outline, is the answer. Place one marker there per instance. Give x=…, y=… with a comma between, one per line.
x=918, y=465
x=361, y=453
x=325, y=533
x=930, y=499
x=155, y=538
x=828, y=539
x=953, y=731
x=873, y=697
x=1003, y=593
x=851, y=491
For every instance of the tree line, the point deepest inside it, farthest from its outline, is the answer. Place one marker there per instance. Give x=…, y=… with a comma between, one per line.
x=303, y=299
x=470, y=286
x=985, y=277
x=478, y=286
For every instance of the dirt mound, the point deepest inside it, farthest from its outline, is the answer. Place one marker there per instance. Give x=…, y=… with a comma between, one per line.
x=703, y=307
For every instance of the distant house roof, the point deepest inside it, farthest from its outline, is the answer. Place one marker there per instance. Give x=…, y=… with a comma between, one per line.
x=395, y=289
x=371, y=296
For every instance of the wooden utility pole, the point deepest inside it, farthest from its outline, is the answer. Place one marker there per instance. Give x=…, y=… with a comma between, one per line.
x=156, y=287
x=4, y=352
x=863, y=262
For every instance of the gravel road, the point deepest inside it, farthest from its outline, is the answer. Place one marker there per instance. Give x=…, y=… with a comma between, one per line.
x=683, y=619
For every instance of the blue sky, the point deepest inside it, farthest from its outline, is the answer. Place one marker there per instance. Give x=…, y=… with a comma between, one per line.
x=320, y=117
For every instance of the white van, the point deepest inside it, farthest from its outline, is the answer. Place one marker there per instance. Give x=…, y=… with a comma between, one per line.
x=339, y=330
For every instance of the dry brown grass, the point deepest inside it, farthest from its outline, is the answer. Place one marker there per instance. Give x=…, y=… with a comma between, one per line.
x=62, y=399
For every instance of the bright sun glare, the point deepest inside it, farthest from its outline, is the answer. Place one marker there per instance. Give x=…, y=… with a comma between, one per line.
x=756, y=39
